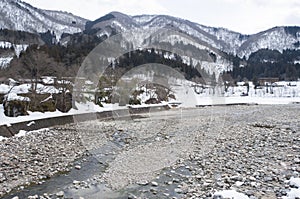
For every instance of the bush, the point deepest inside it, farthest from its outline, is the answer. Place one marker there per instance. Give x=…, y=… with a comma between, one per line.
x=135, y=101
x=152, y=101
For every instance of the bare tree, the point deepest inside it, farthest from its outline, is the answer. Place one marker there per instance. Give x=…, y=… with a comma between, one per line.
x=35, y=64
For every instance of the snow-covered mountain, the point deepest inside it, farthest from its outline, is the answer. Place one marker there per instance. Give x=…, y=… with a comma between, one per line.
x=18, y=15
x=278, y=38
x=210, y=42
x=219, y=38
x=140, y=31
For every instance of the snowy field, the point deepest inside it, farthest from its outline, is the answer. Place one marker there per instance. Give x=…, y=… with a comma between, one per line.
x=186, y=95
x=282, y=93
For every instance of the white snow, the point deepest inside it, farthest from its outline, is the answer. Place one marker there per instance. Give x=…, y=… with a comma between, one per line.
x=5, y=44
x=185, y=94
x=48, y=80
x=18, y=47
x=4, y=120
x=143, y=18
x=220, y=38
x=21, y=133
x=184, y=91
x=286, y=93
x=119, y=25
x=25, y=88
x=2, y=138
x=5, y=61
x=295, y=182
x=31, y=123
x=88, y=107
x=14, y=96
x=24, y=17
x=24, y=133
x=149, y=105
x=232, y=194
x=4, y=88
x=294, y=192
x=275, y=39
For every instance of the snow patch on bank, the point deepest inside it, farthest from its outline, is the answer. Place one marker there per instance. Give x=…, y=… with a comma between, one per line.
x=230, y=194
x=294, y=192
x=89, y=107
x=2, y=138
x=24, y=133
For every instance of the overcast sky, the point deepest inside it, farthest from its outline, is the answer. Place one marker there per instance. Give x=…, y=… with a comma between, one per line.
x=245, y=16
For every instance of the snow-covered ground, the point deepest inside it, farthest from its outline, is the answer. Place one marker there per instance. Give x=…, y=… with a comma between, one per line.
x=81, y=108
x=294, y=192
x=230, y=194
x=282, y=93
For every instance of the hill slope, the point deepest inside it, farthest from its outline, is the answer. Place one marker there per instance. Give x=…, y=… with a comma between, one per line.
x=18, y=15
x=278, y=38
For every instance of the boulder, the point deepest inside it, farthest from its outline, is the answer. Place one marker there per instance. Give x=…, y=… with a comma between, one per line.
x=63, y=101
x=41, y=102
x=15, y=105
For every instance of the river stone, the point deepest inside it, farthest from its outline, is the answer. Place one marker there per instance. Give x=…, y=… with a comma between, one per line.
x=297, y=160
x=155, y=184
x=60, y=194
x=33, y=197
x=143, y=182
x=76, y=182
x=178, y=190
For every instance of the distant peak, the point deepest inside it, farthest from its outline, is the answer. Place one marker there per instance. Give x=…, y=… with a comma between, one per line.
x=118, y=14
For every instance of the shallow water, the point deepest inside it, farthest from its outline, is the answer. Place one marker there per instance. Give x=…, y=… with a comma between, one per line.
x=90, y=165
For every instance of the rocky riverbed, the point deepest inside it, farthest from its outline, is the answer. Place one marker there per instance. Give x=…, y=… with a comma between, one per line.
x=189, y=153
x=36, y=157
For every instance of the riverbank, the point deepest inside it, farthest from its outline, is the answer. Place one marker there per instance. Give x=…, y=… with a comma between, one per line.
x=184, y=153
x=31, y=123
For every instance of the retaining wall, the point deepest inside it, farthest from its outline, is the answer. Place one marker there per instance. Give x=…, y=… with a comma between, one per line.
x=12, y=129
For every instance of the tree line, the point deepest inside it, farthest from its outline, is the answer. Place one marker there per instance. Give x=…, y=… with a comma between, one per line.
x=55, y=58
x=267, y=63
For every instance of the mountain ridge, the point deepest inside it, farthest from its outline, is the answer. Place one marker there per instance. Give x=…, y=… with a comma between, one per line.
x=276, y=38
x=19, y=15
x=224, y=48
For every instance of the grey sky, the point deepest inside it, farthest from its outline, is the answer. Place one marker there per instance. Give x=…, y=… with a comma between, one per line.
x=245, y=16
